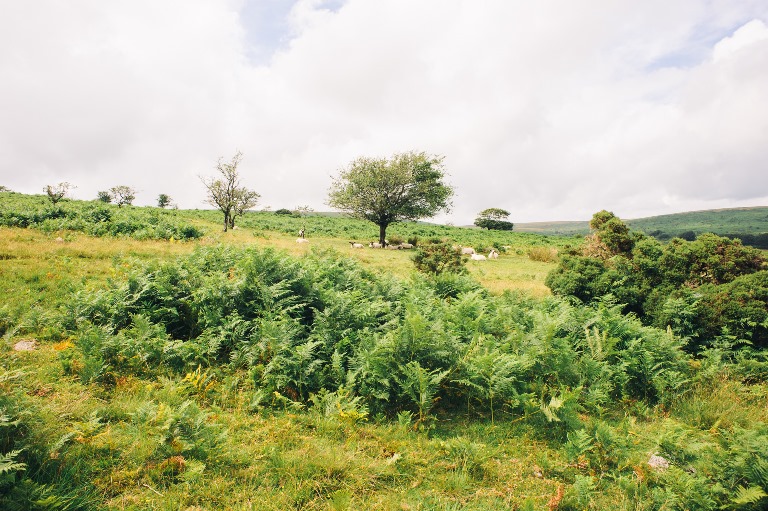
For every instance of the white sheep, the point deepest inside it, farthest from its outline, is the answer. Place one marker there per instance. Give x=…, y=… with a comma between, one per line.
x=373, y=244
x=493, y=254
x=467, y=250
x=406, y=246
x=393, y=247
x=477, y=257
x=356, y=245
x=302, y=240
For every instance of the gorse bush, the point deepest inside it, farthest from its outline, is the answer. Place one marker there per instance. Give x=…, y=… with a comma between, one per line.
x=323, y=324
x=705, y=290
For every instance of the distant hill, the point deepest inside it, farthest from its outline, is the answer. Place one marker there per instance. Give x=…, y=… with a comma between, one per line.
x=748, y=224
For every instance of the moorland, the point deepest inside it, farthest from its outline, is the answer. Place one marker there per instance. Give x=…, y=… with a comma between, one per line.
x=150, y=361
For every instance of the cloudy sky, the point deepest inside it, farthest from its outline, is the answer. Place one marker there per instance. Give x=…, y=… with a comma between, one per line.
x=550, y=109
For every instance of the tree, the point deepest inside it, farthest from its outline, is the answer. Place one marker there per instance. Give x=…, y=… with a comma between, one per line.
x=494, y=219
x=163, y=200
x=226, y=193
x=122, y=195
x=408, y=186
x=104, y=197
x=57, y=192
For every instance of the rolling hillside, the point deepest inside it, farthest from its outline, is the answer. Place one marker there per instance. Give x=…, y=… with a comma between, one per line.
x=749, y=224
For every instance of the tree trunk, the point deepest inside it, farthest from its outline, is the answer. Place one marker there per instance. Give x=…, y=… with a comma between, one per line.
x=226, y=221
x=382, y=233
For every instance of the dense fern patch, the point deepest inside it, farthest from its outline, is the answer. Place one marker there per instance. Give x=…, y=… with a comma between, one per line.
x=93, y=218
x=233, y=374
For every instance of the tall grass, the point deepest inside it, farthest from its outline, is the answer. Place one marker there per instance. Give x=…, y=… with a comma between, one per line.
x=234, y=377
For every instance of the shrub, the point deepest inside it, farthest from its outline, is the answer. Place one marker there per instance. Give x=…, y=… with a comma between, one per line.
x=542, y=254
x=437, y=258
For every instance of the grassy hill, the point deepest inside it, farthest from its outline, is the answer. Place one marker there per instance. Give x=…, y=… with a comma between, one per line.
x=749, y=224
x=241, y=370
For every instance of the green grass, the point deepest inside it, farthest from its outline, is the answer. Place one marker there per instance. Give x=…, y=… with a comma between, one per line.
x=159, y=441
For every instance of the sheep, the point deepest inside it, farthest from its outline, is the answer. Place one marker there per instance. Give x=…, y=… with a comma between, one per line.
x=477, y=257
x=467, y=250
x=493, y=254
x=302, y=240
x=373, y=244
x=356, y=245
x=406, y=246
x=393, y=247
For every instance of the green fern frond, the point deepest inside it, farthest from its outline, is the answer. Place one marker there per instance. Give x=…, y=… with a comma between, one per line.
x=8, y=463
x=749, y=496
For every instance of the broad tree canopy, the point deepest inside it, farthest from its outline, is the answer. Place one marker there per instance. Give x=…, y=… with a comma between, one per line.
x=494, y=219
x=407, y=186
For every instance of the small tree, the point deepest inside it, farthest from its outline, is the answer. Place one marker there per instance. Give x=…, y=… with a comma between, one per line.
x=4, y=189
x=163, y=200
x=57, y=192
x=122, y=195
x=104, y=197
x=302, y=210
x=494, y=219
x=408, y=186
x=226, y=193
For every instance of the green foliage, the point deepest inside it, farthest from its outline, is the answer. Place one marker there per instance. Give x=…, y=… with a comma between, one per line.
x=494, y=219
x=225, y=192
x=494, y=225
x=94, y=218
x=439, y=258
x=693, y=287
x=57, y=192
x=163, y=200
x=408, y=186
x=122, y=195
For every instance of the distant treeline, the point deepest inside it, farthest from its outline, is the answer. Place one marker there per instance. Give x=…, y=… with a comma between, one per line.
x=753, y=240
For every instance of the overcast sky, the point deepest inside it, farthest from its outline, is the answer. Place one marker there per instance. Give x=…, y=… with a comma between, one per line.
x=552, y=110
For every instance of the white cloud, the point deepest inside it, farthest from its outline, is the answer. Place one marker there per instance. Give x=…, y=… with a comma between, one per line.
x=551, y=110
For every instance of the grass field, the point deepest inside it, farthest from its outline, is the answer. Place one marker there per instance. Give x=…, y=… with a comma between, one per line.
x=206, y=439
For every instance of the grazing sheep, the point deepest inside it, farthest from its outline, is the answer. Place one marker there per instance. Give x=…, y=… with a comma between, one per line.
x=393, y=247
x=302, y=240
x=406, y=246
x=356, y=245
x=467, y=250
x=493, y=254
x=374, y=245
x=477, y=257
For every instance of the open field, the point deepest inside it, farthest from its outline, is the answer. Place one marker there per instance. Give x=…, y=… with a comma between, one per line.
x=113, y=413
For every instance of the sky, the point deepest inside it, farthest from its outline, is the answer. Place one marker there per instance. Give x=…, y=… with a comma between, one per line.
x=551, y=110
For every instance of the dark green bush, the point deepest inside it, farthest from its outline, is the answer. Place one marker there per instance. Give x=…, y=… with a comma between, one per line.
x=704, y=289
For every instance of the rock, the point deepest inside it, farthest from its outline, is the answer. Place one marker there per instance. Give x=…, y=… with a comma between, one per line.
x=25, y=345
x=658, y=463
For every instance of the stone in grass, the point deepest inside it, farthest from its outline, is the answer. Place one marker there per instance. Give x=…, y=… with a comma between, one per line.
x=658, y=463
x=25, y=345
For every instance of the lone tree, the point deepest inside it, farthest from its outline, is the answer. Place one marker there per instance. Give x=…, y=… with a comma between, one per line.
x=494, y=219
x=57, y=192
x=225, y=191
x=104, y=197
x=163, y=200
x=122, y=195
x=408, y=186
